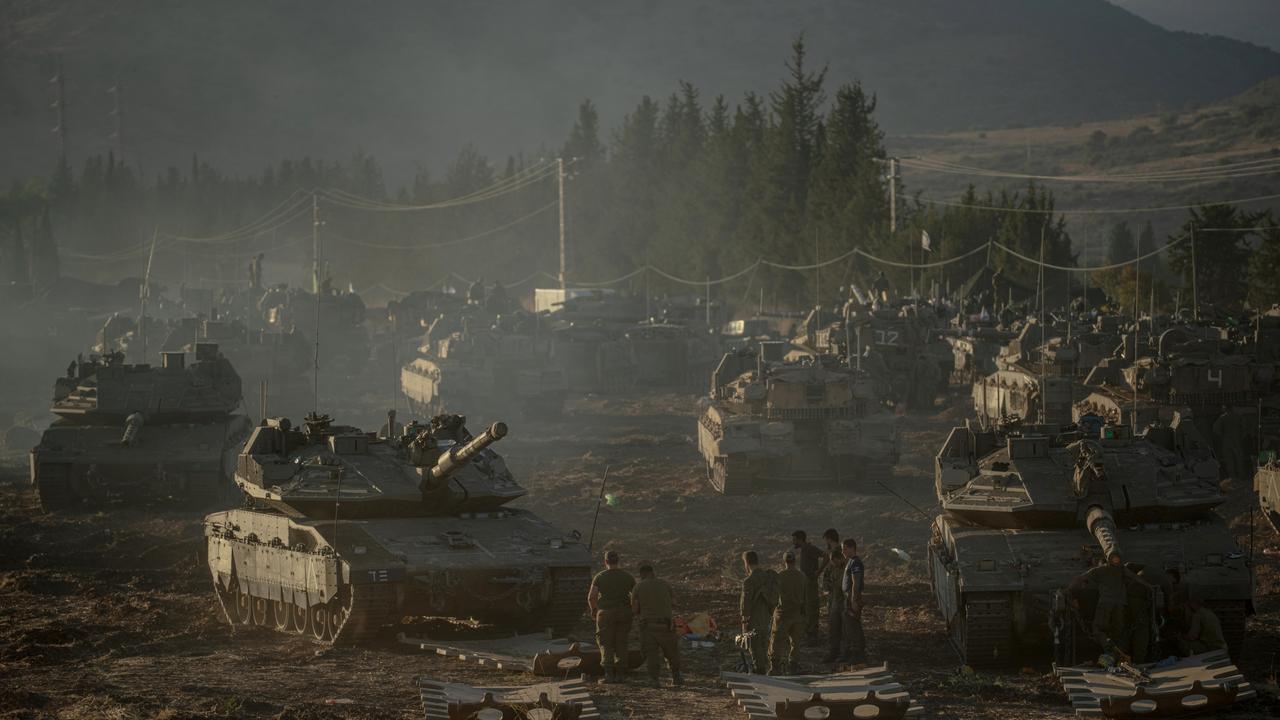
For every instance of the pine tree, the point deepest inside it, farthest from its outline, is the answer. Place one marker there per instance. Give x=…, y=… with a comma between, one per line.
x=1216, y=242
x=1120, y=244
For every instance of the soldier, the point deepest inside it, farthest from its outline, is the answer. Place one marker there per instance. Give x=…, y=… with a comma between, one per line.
x=1140, y=605
x=610, y=601
x=755, y=608
x=810, y=559
x=651, y=602
x=851, y=584
x=1228, y=432
x=831, y=577
x=1111, y=580
x=1204, y=630
x=789, y=620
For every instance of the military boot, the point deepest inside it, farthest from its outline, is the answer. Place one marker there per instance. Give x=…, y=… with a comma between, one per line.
x=676, y=679
x=609, y=676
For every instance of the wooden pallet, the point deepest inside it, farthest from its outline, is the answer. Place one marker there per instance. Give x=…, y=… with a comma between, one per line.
x=863, y=693
x=564, y=700
x=1200, y=683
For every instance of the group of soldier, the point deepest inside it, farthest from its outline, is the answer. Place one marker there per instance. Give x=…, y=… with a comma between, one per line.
x=1131, y=601
x=778, y=610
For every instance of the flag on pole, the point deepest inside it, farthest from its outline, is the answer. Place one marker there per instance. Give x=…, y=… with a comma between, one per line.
x=925, y=242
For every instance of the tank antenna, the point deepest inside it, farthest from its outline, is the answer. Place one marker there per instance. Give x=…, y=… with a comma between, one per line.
x=145, y=294
x=591, y=540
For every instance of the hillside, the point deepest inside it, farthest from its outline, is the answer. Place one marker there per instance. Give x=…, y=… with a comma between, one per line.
x=242, y=81
x=1242, y=128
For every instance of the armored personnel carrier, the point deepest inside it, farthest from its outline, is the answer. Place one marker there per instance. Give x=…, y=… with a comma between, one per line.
x=771, y=424
x=502, y=366
x=345, y=532
x=1028, y=509
x=141, y=431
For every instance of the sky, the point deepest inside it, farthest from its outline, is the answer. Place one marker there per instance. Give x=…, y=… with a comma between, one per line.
x=1253, y=21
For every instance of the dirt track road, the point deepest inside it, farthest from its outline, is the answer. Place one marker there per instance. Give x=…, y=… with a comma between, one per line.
x=108, y=615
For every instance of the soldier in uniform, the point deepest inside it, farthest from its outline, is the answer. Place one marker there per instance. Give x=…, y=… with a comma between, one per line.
x=789, y=619
x=1204, y=630
x=1111, y=580
x=851, y=583
x=651, y=602
x=1140, y=606
x=610, y=602
x=755, y=608
x=832, y=586
x=810, y=560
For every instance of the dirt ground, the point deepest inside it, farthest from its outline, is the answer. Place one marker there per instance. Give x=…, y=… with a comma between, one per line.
x=109, y=615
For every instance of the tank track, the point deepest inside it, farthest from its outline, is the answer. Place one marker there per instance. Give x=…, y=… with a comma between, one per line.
x=983, y=633
x=569, y=588
x=55, y=493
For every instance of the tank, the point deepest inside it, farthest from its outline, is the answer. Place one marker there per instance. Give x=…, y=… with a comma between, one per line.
x=345, y=532
x=1027, y=509
x=140, y=431
x=498, y=365
x=810, y=423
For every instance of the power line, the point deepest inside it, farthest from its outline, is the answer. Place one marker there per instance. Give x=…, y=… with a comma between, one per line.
x=1096, y=211
x=1248, y=168
x=447, y=243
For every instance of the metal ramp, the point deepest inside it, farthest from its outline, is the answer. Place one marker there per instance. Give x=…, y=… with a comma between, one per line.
x=566, y=700
x=532, y=653
x=1196, y=684
x=869, y=693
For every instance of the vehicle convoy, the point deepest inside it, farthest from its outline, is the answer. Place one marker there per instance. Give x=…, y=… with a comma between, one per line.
x=771, y=424
x=499, y=365
x=1028, y=509
x=345, y=532
x=140, y=431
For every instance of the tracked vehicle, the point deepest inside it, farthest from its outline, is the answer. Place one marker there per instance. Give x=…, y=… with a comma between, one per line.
x=1266, y=482
x=346, y=532
x=141, y=432
x=810, y=423
x=1028, y=509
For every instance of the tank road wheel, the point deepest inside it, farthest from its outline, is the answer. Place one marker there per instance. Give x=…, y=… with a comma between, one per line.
x=244, y=606
x=262, y=615
x=282, y=613
x=301, y=620
x=320, y=623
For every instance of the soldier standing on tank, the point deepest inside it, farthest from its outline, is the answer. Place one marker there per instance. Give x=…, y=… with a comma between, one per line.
x=789, y=619
x=610, y=602
x=810, y=560
x=755, y=608
x=651, y=601
x=851, y=583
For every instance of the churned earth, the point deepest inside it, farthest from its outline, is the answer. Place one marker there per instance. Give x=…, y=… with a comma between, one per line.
x=109, y=614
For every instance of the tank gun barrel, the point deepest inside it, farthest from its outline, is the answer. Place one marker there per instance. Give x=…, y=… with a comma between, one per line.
x=458, y=456
x=1103, y=526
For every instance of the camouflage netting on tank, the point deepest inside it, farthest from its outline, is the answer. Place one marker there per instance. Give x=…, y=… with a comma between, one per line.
x=863, y=693
x=566, y=700
x=1196, y=684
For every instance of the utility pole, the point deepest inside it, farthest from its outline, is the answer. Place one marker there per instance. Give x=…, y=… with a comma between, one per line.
x=1195, y=295
x=560, y=185
x=117, y=113
x=60, y=105
x=315, y=247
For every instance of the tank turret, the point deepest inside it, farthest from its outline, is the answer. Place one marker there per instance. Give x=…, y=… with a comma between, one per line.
x=347, y=531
